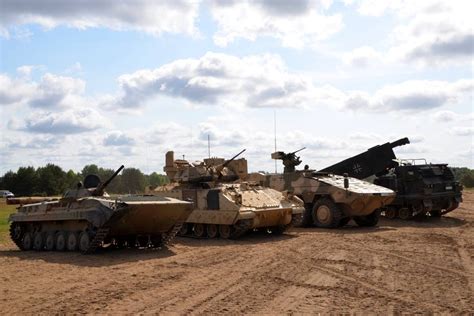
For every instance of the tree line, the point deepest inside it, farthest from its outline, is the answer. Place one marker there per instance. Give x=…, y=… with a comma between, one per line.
x=53, y=180
x=465, y=176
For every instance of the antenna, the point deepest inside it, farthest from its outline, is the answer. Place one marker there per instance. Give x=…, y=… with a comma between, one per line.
x=209, y=145
x=275, y=134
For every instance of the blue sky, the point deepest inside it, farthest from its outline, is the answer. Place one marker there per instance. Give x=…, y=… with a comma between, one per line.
x=111, y=82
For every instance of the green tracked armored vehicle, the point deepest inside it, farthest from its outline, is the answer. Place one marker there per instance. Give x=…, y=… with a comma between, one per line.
x=86, y=218
x=224, y=205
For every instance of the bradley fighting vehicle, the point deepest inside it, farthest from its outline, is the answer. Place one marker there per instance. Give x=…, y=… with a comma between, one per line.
x=330, y=200
x=86, y=218
x=422, y=188
x=224, y=204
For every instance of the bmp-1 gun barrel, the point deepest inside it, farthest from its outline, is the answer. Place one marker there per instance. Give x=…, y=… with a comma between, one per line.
x=102, y=186
x=375, y=161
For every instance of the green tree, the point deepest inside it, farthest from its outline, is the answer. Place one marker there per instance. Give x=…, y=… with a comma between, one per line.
x=90, y=169
x=52, y=180
x=132, y=181
x=26, y=181
x=155, y=179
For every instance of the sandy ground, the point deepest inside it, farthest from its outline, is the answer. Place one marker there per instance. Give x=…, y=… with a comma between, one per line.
x=406, y=267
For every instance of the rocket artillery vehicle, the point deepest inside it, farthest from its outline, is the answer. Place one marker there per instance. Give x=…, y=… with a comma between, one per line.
x=224, y=204
x=422, y=188
x=86, y=218
x=330, y=200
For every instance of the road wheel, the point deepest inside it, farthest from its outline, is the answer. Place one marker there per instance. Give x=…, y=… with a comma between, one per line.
x=156, y=241
x=198, y=230
x=225, y=231
x=436, y=214
x=211, y=230
x=405, y=213
x=185, y=228
x=72, y=241
x=368, y=220
x=142, y=241
x=27, y=241
x=84, y=241
x=326, y=213
x=49, y=241
x=61, y=241
x=391, y=213
x=38, y=241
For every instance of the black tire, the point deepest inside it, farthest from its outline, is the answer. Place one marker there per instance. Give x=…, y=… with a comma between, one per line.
x=212, y=230
x=60, y=243
x=84, y=241
x=326, y=213
x=368, y=220
x=27, y=241
x=49, y=241
x=225, y=231
x=405, y=213
x=185, y=228
x=435, y=214
x=199, y=230
x=391, y=213
x=38, y=241
x=72, y=241
x=278, y=230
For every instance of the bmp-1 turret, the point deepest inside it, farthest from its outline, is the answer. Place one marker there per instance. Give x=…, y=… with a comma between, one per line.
x=225, y=204
x=86, y=219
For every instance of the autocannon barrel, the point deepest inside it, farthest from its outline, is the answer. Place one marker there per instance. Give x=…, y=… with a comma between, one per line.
x=102, y=186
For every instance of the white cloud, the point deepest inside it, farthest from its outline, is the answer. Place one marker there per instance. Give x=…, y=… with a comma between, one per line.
x=154, y=17
x=70, y=121
x=51, y=91
x=362, y=57
x=118, y=138
x=295, y=23
x=264, y=81
x=428, y=32
x=218, y=79
x=462, y=130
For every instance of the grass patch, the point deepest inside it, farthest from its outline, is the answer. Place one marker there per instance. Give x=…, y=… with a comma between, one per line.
x=5, y=211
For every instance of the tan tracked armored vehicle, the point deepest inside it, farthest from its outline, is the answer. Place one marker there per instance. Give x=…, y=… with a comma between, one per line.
x=87, y=218
x=330, y=200
x=224, y=205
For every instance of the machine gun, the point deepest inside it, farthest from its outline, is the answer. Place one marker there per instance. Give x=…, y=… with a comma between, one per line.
x=99, y=190
x=290, y=160
x=375, y=161
x=225, y=164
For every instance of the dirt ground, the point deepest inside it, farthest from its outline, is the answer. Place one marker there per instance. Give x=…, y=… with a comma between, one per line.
x=398, y=267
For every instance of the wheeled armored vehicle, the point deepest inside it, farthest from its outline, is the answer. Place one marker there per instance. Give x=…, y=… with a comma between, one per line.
x=86, y=218
x=330, y=200
x=224, y=205
x=423, y=189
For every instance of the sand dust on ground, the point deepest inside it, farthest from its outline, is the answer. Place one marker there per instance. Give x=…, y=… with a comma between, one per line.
x=398, y=267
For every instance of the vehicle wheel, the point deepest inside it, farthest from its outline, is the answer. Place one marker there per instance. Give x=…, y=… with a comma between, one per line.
x=211, y=230
x=27, y=241
x=84, y=241
x=142, y=241
x=132, y=242
x=72, y=241
x=326, y=213
x=16, y=233
x=391, y=213
x=368, y=220
x=225, y=231
x=344, y=221
x=185, y=228
x=61, y=241
x=405, y=213
x=156, y=241
x=49, y=241
x=38, y=241
x=198, y=230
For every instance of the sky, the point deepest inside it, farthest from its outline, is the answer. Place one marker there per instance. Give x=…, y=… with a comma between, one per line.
x=111, y=82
